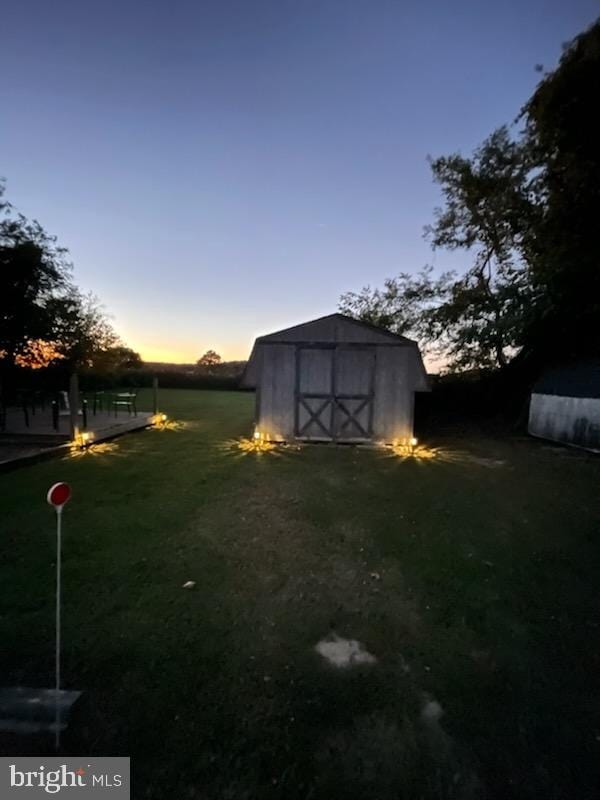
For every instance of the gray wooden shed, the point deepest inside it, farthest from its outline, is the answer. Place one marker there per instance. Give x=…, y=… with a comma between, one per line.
x=335, y=379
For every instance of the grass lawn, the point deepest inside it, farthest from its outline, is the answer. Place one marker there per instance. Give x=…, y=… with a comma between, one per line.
x=471, y=577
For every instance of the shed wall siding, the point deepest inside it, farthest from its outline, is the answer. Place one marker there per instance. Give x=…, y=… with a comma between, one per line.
x=572, y=420
x=276, y=391
x=390, y=373
x=393, y=411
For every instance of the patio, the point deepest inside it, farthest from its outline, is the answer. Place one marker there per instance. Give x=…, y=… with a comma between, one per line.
x=21, y=444
x=41, y=425
x=34, y=430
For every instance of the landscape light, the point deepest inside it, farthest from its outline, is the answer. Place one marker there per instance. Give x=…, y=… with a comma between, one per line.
x=84, y=439
x=163, y=417
x=259, y=443
x=409, y=447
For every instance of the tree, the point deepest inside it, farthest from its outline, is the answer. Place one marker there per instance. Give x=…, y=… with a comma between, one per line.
x=474, y=320
x=405, y=305
x=44, y=317
x=122, y=357
x=85, y=336
x=524, y=210
x=563, y=132
x=33, y=271
x=209, y=361
x=490, y=212
x=82, y=330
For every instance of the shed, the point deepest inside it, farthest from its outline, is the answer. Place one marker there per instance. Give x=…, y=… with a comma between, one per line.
x=565, y=405
x=335, y=379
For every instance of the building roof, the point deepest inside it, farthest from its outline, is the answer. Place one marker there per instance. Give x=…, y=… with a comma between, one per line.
x=329, y=329
x=580, y=379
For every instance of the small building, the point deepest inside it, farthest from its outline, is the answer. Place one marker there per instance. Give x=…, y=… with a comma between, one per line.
x=565, y=405
x=335, y=379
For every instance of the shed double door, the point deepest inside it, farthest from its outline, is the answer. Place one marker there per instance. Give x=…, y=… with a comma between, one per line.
x=334, y=393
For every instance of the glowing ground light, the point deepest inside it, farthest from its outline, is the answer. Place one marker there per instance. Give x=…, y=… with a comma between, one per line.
x=256, y=444
x=423, y=453
x=259, y=443
x=161, y=422
x=100, y=449
x=247, y=446
x=410, y=448
x=82, y=440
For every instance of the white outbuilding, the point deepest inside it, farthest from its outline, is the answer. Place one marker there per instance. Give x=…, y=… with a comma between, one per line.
x=335, y=379
x=565, y=405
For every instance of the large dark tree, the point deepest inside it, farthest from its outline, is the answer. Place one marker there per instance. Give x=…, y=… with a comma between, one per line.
x=524, y=209
x=490, y=213
x=33, y=270
x=563, y=134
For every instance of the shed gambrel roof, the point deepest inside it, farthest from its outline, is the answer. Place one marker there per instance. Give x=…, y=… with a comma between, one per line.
x=332, y=328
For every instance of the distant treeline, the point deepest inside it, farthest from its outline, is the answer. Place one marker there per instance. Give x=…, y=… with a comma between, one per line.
x=170, y=376
x=229, y=368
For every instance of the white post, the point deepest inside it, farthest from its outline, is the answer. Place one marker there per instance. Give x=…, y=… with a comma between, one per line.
x=155, y=395
x=58, y=582
x=58, y=495
x=74, y=406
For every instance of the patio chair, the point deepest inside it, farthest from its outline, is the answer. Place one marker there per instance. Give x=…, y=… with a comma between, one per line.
x=125, y=400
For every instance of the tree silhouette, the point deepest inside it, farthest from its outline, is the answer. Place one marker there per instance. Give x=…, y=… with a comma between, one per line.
x=209, y=361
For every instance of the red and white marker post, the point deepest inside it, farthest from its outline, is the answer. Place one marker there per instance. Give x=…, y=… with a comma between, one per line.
x=58, y=495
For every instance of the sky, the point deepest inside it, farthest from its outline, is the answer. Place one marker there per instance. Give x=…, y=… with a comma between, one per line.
x=220, y=169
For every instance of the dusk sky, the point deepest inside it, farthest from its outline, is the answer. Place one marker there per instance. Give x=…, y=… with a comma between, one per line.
x=223, y=169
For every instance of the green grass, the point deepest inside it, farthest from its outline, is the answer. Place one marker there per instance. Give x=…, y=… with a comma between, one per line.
x=486, y=599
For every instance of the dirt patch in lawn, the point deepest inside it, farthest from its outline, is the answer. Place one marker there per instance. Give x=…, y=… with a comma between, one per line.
x=342, y=652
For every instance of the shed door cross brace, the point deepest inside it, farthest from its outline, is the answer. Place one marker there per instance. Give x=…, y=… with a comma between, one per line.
x=314, y=416
x=351, y=416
